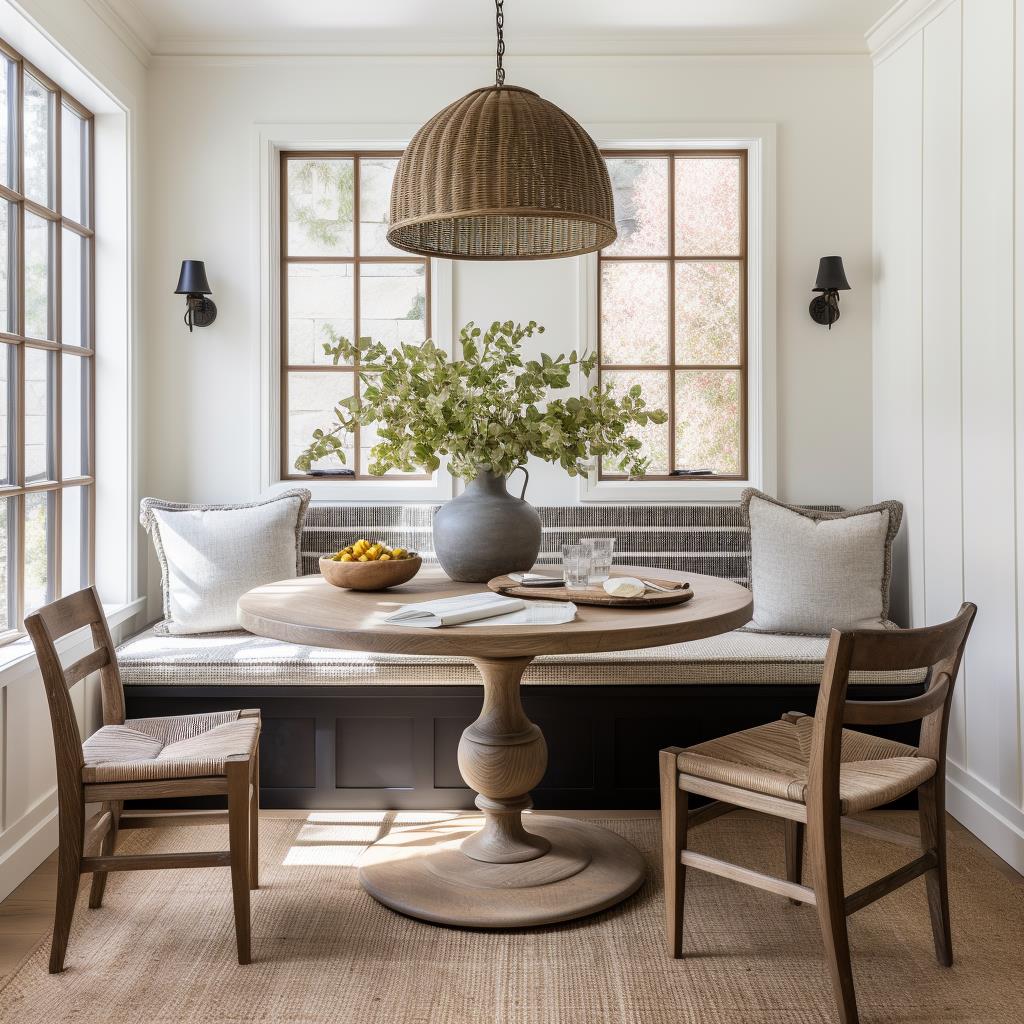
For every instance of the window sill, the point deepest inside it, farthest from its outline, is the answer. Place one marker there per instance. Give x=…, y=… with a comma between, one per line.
x=625, y=492
x=18, y=659
x=372, y=491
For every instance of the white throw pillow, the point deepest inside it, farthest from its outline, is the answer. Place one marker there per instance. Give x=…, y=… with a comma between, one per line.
x=210, y=555
x=813, y=571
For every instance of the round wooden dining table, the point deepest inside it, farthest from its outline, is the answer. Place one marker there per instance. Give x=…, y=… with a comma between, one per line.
x=501, y=870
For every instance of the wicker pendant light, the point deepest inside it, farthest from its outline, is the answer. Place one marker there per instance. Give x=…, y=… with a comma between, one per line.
x=501, y=174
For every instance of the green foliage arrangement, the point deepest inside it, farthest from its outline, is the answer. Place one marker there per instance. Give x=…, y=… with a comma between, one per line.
x=491, y=408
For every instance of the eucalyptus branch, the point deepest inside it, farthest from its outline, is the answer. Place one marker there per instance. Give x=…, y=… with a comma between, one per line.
x=490, y=408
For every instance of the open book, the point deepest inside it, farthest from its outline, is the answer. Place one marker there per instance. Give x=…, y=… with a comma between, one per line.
x=482, y=609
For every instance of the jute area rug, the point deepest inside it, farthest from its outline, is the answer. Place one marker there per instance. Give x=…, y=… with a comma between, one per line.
x=162, y=948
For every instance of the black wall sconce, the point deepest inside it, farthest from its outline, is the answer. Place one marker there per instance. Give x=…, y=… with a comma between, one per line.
x=201, y=311
x=831, y=281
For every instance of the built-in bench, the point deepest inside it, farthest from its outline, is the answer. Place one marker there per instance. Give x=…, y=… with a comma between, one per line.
x=347, y=728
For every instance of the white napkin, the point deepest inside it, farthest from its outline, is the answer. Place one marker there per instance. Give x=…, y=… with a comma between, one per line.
x=454, y=611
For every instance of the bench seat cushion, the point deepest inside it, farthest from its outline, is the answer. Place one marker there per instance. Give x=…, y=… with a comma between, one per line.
x=243, y=659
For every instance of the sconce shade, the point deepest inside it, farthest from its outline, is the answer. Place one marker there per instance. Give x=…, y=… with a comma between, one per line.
x=192, y=279
x=831, y=276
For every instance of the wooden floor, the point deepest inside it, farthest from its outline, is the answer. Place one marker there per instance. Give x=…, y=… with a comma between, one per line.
x=26, y=916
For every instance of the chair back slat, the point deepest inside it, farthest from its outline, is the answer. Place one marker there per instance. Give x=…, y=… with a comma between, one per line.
x=92, y=662
x=876, y=650
x=69, y=613
x=893, y=712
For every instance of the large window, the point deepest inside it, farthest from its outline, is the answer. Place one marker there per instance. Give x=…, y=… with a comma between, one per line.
x=46, y=341
x=671, y=306
x=339, y=278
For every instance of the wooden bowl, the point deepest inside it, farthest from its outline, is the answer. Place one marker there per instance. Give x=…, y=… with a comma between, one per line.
x=370, y=575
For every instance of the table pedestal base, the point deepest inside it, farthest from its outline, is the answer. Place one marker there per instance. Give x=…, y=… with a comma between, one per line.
x=421, y=871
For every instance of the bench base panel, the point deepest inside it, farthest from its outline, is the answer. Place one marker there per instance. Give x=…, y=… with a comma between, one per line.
x=394, y=747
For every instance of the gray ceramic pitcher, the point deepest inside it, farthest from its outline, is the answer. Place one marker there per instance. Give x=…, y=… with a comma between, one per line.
x=486, y=532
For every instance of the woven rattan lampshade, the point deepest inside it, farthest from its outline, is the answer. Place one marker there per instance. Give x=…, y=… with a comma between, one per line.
x=501, y=174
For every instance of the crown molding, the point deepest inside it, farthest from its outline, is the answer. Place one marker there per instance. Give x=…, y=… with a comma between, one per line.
x=618, y=62
x=129, y=24
x=593, y=44
x=899, y=23
x=127, y=21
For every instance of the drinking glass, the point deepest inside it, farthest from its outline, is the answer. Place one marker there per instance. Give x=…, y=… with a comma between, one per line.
x=575, y=566
x=601, y=552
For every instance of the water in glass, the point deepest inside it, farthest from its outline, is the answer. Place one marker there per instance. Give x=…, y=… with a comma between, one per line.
x=601, y=552
x=575, y=566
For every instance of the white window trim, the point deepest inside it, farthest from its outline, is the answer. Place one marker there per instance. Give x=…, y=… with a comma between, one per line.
x=270, y=141
x=759, y=142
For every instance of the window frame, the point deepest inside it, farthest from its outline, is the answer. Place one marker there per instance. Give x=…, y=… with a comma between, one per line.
x=56, y=484
x=671, y=259
x=758, y=139
x=286, y=471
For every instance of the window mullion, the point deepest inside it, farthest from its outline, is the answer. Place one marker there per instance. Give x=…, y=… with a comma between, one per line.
x=55, y=519
x=672, y=313
x=17, y=549
x=357, y=283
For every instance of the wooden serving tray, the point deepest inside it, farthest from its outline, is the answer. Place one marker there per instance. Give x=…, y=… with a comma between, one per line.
x=593, y=595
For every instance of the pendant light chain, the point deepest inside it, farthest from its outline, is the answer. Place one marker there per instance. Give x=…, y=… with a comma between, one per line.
x=499, y=71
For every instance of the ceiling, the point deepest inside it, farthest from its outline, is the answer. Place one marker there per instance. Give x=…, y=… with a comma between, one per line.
x=467, y=26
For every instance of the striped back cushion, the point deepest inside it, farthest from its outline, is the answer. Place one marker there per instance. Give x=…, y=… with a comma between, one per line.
x=708, y=539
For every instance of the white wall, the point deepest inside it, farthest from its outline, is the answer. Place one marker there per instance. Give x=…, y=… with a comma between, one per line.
x=948, y=368
x=70, y=43
x=201, y=396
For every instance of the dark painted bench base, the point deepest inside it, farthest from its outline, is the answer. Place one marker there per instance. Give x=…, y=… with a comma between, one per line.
x=395, y=747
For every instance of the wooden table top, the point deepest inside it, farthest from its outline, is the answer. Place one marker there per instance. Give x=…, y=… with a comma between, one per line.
x=308, y=610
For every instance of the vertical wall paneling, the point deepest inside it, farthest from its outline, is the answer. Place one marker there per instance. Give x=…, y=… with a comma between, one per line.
x=941, y=314
x=896, y=365
x=31, y=775
x=964, y=233
x=988, y=392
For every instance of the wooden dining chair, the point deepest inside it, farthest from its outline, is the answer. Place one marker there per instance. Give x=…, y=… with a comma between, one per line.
x=139, y=759
x=813, y=773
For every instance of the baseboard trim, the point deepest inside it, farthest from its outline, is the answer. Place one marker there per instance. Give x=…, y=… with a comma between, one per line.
x=990, y=816
x=23, y=853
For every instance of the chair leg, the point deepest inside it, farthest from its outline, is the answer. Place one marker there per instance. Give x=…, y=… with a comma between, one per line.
x=254, y=823
x=99, y=878
x=794, y=853
x=238, y=773
x=824, y=837
x=931, y=803
x=674, y=812
x=71, y=830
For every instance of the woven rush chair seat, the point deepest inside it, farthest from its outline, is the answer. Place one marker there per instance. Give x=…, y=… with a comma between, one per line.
x=179, y=747
x=773, y=759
